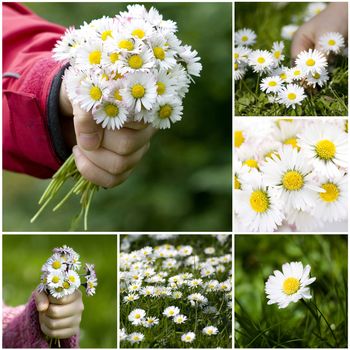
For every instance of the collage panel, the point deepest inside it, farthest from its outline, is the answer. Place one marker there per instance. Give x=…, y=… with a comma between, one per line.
x=291, y=291
x=59, y=291
x=175, y=291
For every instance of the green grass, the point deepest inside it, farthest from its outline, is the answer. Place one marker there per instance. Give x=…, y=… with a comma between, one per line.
x=331, y=100
x=259, y=325
x=23, y=257
x=167, y=334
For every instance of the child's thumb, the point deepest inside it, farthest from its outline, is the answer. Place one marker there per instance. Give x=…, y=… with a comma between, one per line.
x=41, y=301
x=301, y=42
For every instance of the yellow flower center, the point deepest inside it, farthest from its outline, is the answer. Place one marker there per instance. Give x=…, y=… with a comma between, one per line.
x=210, y=331
x=331, y=42
x=283, y=76
x=160, y=88
x=236, y=66
x=331, y=194
x=291, y=285
x=95, y=93
x=325, y=149
x=135, y=62
x=117, y=95
x=165, y=111
x=105, y=76
x=316, y=76
x=126, y=44
x=292, y=96
x=293, y=142
x=188, y=337
x=296, y=73
x=259, y=201
x=237, y=184
x=114, y=57
x=111, y=110
x=239, y=138
x=272, y=83
x=138, y=91
x=310, y=62
x=244, y=38
x=65, y=285
x=261, y=60
x=171, y=312
x=159, y=53
x=56, y=264
x=72, y=278
x=236, y=55
x=139, y=33
x=91, y=285
x=55, y=279
x=95, y=57
x=106, y=34
x=277, y=54
x=252, y=163
x=292, y=180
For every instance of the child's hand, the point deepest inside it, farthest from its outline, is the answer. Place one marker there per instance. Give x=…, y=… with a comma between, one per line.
x=333, y=19
x=59, y=318
x=102, y=156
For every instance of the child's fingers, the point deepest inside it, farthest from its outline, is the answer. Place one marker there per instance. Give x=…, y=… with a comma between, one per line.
x=114, y=163
x=41, y=301
x=67, y=310
x=60, y=323
x=67, y=299
x=59, y=333
x=135, y=125
x=89, y=134
x=96, y=175
x=301, y=41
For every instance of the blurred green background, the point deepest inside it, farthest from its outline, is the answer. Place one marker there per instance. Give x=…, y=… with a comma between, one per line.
x=184, y=182
x=261, y=325
x=23, y=257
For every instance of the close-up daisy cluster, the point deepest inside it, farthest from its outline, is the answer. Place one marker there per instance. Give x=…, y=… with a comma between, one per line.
x=131, y=67
x=291, y=175
x=175, y=291
x=284, y=86
x=60, y=274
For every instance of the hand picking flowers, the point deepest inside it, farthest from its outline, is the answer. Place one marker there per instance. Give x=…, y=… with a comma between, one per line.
x=131, y=67
x=177, y=294
x=60, y=274
x=290, y=175
x=307, y=87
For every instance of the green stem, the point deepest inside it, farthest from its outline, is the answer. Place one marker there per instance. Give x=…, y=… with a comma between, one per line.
x=40, y=210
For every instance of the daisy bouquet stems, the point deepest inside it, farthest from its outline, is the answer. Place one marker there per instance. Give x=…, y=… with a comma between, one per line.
x=129, y=68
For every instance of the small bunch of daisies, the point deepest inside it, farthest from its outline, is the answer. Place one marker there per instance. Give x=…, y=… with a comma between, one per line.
x=60, y=274
x=131, y=67
x=172, y=285
x=290, y=175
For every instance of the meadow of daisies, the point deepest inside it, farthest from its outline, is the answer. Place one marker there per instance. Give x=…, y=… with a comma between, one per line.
x=175, y=291
x=291, y=291
x=267, y=82
x=291, y=175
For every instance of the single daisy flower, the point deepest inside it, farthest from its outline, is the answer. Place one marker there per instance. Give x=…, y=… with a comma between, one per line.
x=271, y=84
x=136, y=62
x=288, y=31
x=210, y=330
x=138, y=29
x=73, y=278
x=239, y=70
x=241, y=54
x=260, y=60
x=179, y=319
x=171, y=311
x=290, y=285
x=191, y=59
x=295, y=73
x=188, y=337
x=168, y=111
x=111, y=115
x=135, y=337
x=150, y=322
x=332, y=42
x=165, y=57
x=91, y=283
x=319, y=79
x=291, y=95
x=90, y=54
x=312, y=61
x=91, y=93
x=55, y=279
x=245, y=37
x=136, y=316
x=277, y=52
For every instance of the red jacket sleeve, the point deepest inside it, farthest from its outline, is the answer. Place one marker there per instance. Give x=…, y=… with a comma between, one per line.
x=32, y=139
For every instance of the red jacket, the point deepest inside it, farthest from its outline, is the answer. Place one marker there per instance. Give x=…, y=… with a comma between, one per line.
x=32, y=139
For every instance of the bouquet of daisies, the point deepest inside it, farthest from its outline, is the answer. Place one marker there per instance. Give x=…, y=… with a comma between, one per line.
x=60, y=274
x=131, y=67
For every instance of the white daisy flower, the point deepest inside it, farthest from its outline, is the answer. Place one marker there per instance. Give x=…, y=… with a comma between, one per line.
x=55, y=263
x=166, y=85
x=260, y=60
x=136, y=316
x=122, y=334
x=58, y=292
x=138, y=29
x=245, y=37
x=136, y=62
x=256, y=208
x=188, y=337
x=241, y=54
x=191, y=58
x=171, y=311
x=314, y=9
x=140, y=91
x=103, y=27
x=91, y=284
x=271, y=84
x=332, y=42
x=291, y=95
x=90, y=93
x=179, y=319
x=290, y=285
x=295, y=73
x=66, y=47
x=73, y=278
x=90, y=54
x=286, y=132
x=319, y=79
x=135, y=337
x=312, y=61
x=111, y=115
x=55, y=279
x=288, y=175
x=325, y=147
x=288, y=31
x=163, y=56
x=123, y=43
x=130, y=298
x=239, y=70
x=150, y=322
x=210, y=330
x=281, y=71
x=277, y=52
x=167, y=112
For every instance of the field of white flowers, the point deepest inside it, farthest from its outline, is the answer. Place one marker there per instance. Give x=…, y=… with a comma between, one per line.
x=175, y=291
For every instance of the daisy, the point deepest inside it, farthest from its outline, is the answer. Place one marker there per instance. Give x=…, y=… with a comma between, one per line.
x=68, y=288
x=191, y=58
x=167, y=112
x=239, y=70
x=130, y=297
x=150, y=322
x=138, y=29
x=177, y=295
x=140, y=91
x=271, y=84
x=286, y=132
x=136, y=62
x=291, y=95
x=210, y=330
x=55, y=279
x=295, y=73
x=288, y=31
x=277, y=49
x=91, y=283
x=90, y=54
x=55, y=263
x=288, y=175
x=332, y=42
x=73, y=278
x=58, y=292
x=314, y=9
x=135, y=337
x=166, y=85
x=317, y=78
x=91, y=93
x=241, y=54
x=325, y=147
x=103, y=27
x=188, y=337
x=256, y=208
x=122, y=334
x=110, y=115
x=164, y=57
x=332, y=205
x=290, y=285
x=171, y=311
x=245, y=37
x=281, y=72
x=136, y=316
x=179, y=319
x=312, y=61
x=123, y=43
x=66, y=47
x=260, y=60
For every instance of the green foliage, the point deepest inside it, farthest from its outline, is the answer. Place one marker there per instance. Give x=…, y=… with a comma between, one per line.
x=184, y=182
x=259, y=325
x=23, y=257
x=331, y=100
